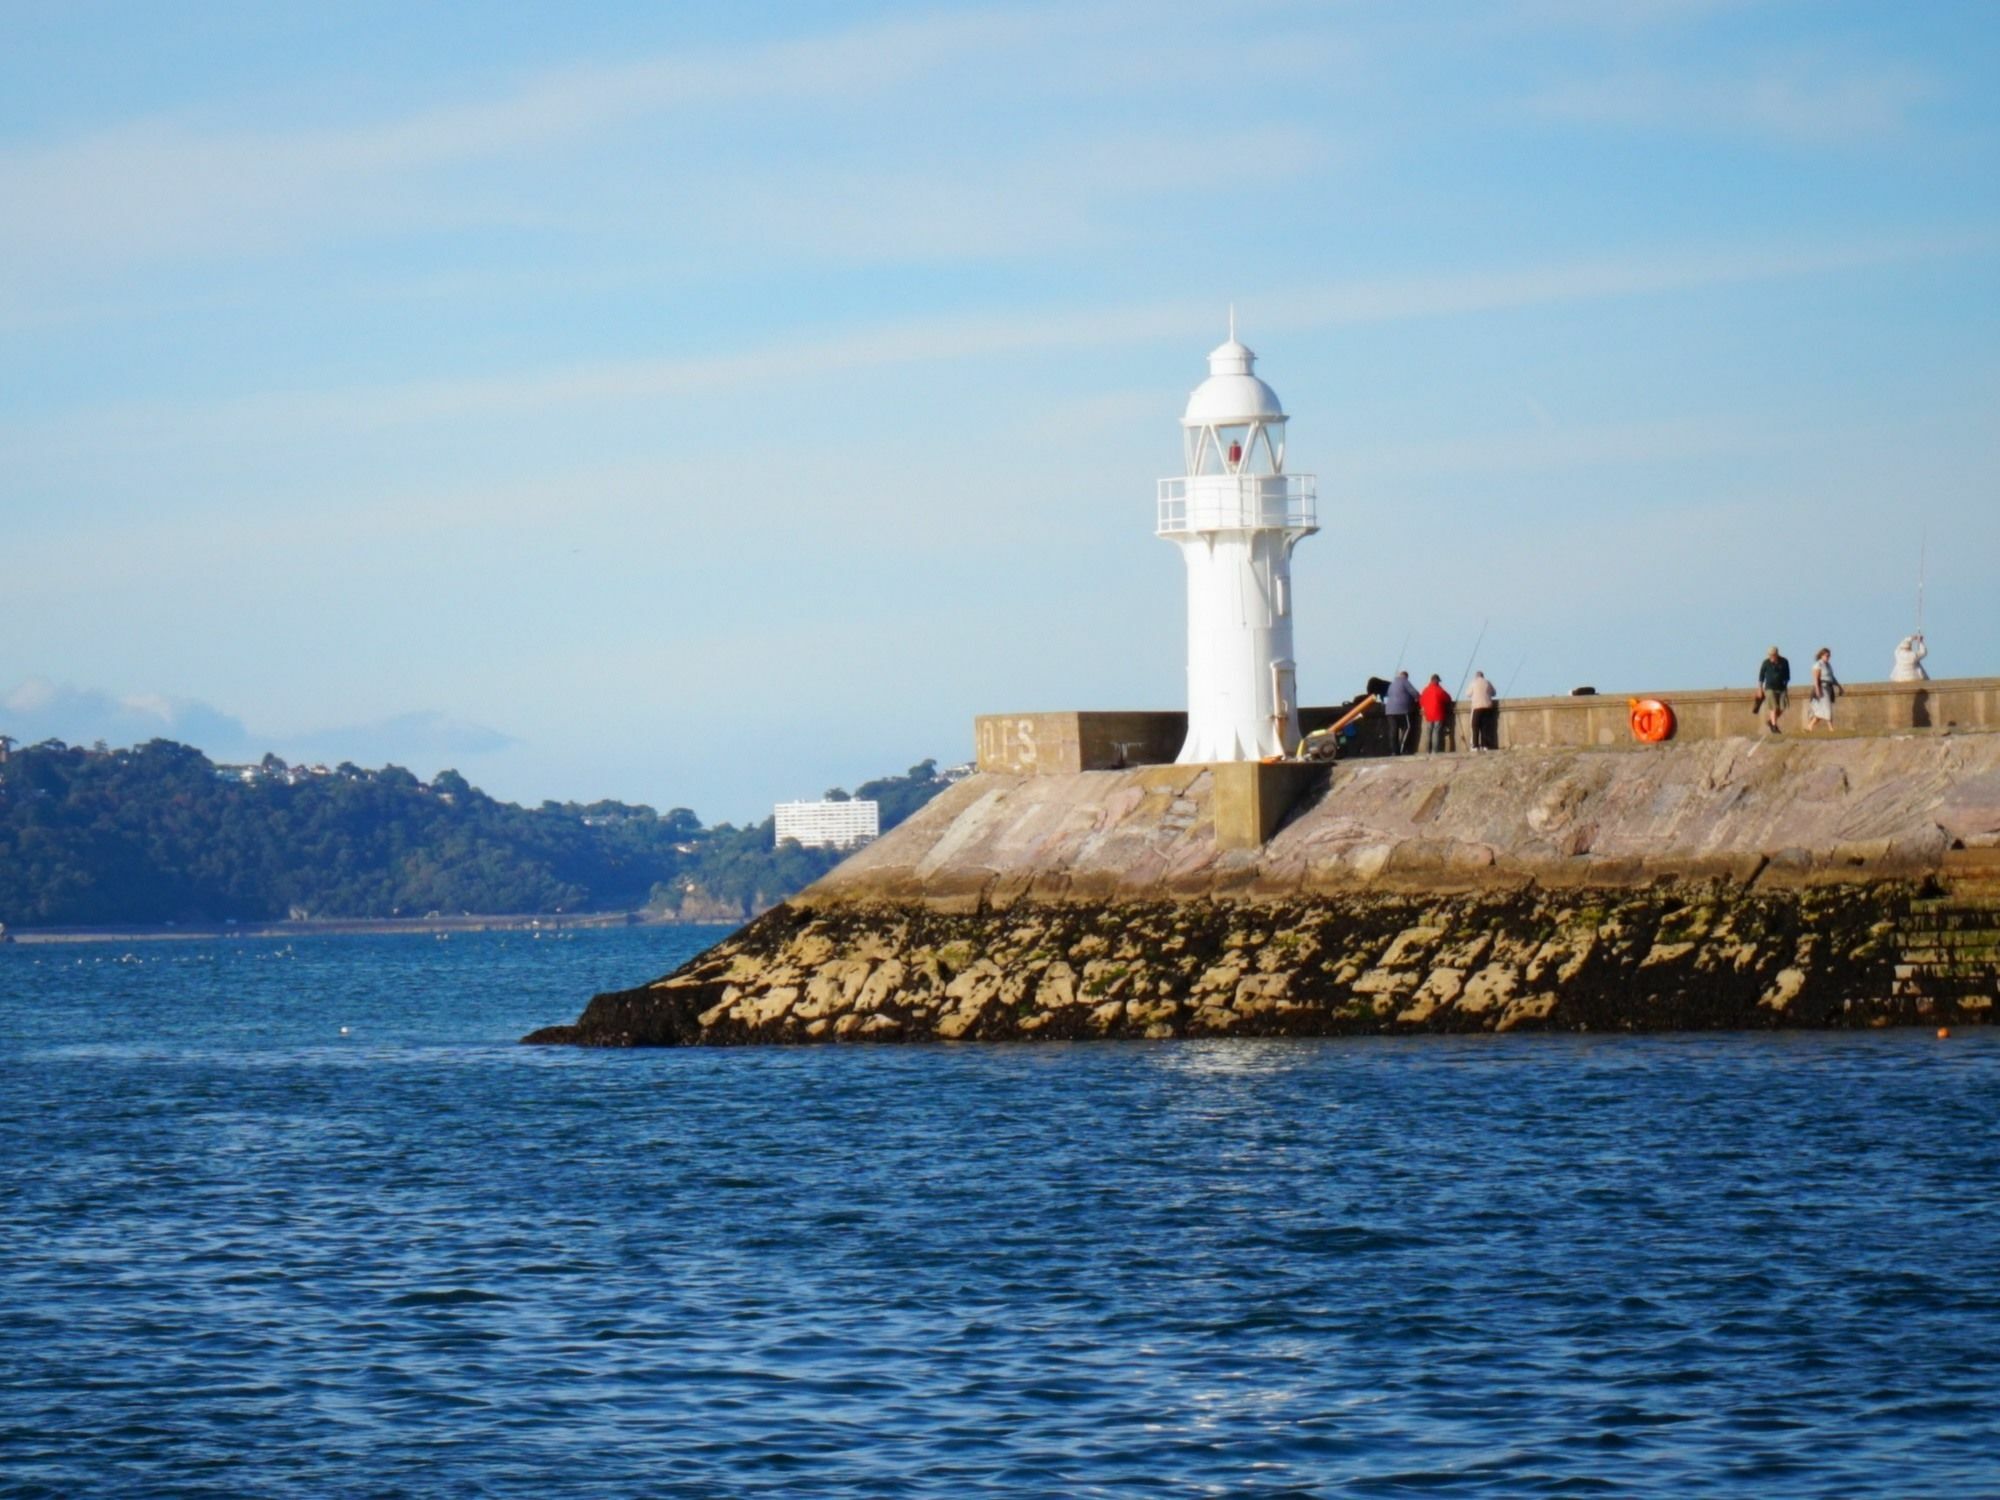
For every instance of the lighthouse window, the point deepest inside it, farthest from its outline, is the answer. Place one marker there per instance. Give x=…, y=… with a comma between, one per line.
x=1254, y=453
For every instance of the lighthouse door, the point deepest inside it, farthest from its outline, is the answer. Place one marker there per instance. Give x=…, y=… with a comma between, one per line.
x=1283, y=702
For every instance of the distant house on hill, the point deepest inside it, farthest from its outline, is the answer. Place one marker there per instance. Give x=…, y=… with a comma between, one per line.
x=827, y=825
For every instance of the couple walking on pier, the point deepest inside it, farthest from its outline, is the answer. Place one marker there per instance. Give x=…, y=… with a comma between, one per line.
x=1774, y=682
x=1405, y=706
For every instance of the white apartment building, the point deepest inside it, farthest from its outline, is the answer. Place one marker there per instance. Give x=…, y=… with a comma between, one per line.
x=819, y=825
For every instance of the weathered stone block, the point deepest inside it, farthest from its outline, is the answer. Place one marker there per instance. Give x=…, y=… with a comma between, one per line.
x=1408, y=944
x=1492, y=986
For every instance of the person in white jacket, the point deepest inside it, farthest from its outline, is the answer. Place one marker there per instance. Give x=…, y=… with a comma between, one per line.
x=1485, y=706
x=1910, y=656
x=1825, y=688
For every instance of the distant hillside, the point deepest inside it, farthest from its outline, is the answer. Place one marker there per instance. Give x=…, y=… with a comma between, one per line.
x=159, y=833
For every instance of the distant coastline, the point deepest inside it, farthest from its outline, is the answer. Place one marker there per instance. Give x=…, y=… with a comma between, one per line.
x=355, y=927
x=158, y=841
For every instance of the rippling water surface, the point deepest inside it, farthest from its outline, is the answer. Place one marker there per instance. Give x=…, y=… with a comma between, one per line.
x=242, y=1253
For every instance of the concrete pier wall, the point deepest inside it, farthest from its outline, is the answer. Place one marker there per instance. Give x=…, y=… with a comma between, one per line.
x=1787, y=810
x=1063, y=743
x=1867, y=708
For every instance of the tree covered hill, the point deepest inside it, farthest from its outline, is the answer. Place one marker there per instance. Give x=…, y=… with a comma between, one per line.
x=159, y=833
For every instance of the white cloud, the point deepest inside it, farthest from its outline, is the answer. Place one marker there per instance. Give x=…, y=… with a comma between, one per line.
x=165, y=186
x=1038, y=199
x=424, y=739
x=175, y=187
x=1622, y=15
x=1605, y=279
x=601, y=382
x=38, y=709
x=1805, y=102
x=1550, y=447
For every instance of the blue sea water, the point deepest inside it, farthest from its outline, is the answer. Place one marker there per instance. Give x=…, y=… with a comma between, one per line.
x=245, y=1254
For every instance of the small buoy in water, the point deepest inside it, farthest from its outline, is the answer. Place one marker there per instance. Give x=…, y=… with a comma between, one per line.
x=343, y=1031
x=1943, y=1032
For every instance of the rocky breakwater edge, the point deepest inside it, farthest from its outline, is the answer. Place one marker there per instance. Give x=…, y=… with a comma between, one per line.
x=1728, y=884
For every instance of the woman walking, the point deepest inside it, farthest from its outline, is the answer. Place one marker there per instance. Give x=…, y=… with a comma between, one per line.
x=1825, y=688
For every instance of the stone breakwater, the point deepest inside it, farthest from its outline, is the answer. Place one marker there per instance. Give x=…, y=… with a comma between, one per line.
x=1746, y=884
x=1684, y=959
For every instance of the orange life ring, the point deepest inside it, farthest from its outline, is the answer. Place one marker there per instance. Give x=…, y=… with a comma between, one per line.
x=1652, y=721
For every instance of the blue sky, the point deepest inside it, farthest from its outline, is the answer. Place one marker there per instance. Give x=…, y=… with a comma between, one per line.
x=707, y=405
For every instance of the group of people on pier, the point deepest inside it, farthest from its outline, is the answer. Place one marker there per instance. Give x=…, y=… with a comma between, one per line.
x=1407, y=706
x=1410, y=709
x=1774, y=682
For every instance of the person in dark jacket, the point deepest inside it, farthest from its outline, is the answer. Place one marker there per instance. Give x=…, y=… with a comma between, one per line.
x=1774, y=682
x=1400, y=705
x=1436, y=704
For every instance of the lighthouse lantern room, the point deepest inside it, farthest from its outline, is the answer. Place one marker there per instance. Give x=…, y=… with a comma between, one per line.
x=1236, y=515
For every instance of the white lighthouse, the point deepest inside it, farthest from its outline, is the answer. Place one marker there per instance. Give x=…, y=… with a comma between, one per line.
x=1236, y=515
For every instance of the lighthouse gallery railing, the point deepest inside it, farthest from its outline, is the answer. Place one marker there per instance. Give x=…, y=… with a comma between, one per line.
x=1238, y=502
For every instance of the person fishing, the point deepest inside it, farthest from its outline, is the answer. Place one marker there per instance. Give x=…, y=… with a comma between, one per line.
x=1436, y=704
x=1400, y=705
x=1485, y=706
x=1910, y=654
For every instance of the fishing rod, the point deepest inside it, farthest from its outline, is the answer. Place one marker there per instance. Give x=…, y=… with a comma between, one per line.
x=1462, y=681
x=1923, y=557
x=1402, y=650
x=1514, y=674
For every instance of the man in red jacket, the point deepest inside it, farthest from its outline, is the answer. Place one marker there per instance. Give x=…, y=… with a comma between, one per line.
x=1436, y=704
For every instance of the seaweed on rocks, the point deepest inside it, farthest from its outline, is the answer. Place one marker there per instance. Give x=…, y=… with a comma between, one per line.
x=1676, y=956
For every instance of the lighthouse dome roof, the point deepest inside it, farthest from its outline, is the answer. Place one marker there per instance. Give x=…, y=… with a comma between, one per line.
x=1232, y=393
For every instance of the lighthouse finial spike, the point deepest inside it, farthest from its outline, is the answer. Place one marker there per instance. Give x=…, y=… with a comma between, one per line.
x=1232, y=322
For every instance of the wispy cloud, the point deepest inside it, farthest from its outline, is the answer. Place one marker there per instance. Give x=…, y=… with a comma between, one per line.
x=167, y=186
x=425, y=738
x=1027, y=200
x=38, y=709
x=1550, y=447
x=1607, y=278
x=1804, y=102
x=602, y=382
x=689, y=125
x=1621, y=15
